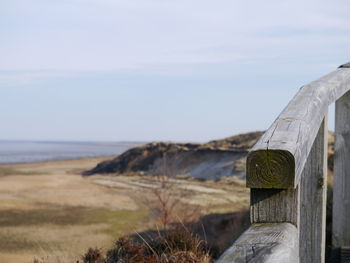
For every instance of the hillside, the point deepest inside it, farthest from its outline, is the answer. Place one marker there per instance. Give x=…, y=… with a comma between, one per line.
x=212, y=160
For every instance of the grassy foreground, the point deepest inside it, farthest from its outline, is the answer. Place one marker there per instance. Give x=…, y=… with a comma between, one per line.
x=49, y=211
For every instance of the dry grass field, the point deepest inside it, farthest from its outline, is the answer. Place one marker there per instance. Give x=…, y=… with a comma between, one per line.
x=49, y=210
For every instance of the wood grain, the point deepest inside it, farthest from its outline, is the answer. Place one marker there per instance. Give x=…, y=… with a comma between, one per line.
x=270, y=243
x=313, y=188
x=341, y=187
x=274, y=205
x=278, y=158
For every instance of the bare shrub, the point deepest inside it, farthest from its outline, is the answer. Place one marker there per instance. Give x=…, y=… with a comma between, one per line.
x=166, y=197
x=125, y=250
x=175, y=246
x=93, y=255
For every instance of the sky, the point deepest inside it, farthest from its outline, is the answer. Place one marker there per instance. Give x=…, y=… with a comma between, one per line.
x=149, y=70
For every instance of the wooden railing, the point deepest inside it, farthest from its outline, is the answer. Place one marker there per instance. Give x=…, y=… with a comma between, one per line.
x=287, y=175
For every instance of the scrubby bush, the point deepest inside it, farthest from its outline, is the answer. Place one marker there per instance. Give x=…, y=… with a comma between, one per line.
x=93, y=255
x=125, y=250
x=174, y=246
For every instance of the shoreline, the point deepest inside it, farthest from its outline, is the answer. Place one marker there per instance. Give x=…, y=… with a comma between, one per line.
x=57, y=161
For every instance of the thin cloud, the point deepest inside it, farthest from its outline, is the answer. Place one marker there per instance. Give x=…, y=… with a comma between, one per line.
x=25, y=78
x=114, y=35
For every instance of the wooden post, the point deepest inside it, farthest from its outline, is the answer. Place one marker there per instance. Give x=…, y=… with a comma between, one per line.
x=341, y=187
x=305, y=209
x=313, y=190
x=274, y=205
x=286, y=171
x=278, y=158
x=268, y=207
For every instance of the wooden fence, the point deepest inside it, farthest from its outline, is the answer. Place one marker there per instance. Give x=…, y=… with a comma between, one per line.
x=287, y=175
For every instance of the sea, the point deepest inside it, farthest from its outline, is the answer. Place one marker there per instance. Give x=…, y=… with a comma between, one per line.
x=12, y=152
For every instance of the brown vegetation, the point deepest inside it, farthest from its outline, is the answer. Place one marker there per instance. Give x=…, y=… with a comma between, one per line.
x=167, y=198
x=175, y=246
x=55, y=214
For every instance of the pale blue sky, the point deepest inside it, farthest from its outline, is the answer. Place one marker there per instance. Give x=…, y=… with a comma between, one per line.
x=181, y=70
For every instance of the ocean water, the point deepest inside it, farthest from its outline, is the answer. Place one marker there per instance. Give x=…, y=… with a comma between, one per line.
x=36, y=151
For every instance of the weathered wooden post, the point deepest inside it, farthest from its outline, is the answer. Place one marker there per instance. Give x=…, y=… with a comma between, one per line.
x=341, y=187
x=286, y=171
x=305, y=205
x=313, y=193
